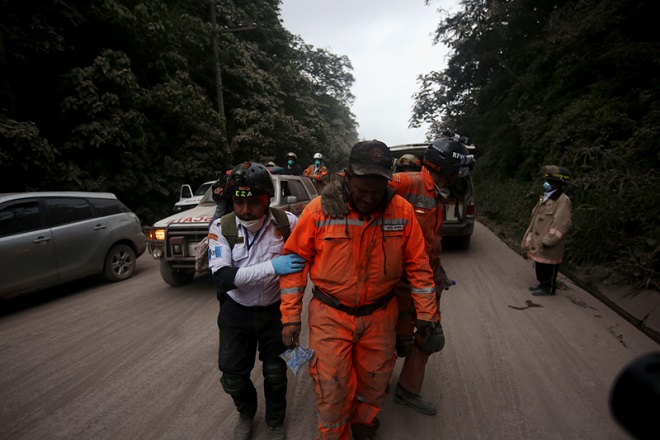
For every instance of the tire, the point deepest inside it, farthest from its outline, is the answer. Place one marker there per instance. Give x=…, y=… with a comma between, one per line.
x=463, y=242
x=175, y=277
x=119, y=263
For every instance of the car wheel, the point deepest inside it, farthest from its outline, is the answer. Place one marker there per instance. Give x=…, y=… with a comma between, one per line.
x=119, y=263
x=175, y=277
x=463, y=242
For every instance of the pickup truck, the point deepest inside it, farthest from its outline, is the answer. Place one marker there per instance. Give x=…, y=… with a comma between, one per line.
x=188, y=199
x=173, y=240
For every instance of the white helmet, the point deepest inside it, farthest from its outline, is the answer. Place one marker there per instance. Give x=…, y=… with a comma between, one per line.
x=318, y=156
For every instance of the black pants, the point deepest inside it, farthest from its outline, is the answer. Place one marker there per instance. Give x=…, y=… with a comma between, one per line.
x=546, y=274
x=243, y=331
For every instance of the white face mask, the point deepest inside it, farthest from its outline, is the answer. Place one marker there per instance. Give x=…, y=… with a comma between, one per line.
x=252, y=225
x=444, y=192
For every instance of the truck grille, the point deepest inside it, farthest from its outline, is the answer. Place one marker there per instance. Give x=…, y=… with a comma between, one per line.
x=180, y=245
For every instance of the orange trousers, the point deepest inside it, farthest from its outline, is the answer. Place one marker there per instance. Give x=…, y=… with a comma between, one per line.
x=353, y=365
x=414, y=366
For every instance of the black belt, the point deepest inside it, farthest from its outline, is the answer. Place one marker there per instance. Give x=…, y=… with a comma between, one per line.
x=364, y=310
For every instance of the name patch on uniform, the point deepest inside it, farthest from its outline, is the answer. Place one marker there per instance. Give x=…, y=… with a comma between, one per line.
x=392, y=227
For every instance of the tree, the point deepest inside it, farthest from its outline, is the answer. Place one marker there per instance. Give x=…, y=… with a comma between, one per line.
x=575, y=83
x=118, y=95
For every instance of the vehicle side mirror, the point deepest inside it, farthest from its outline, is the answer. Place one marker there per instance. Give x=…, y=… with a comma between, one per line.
x=186, y=192
x=289, y=200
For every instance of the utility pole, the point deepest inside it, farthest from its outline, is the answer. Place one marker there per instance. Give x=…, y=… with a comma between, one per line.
x=216, y=55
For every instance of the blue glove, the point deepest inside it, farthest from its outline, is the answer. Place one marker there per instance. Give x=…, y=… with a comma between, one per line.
x=286, y=264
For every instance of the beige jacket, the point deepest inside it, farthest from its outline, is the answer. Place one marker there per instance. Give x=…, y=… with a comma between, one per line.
x=545, y=237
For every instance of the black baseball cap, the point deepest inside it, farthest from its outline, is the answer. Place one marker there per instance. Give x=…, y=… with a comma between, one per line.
x=371, y=158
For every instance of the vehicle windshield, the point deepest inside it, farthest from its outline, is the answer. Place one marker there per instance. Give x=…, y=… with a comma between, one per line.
x=202, y=189
x=207, y=199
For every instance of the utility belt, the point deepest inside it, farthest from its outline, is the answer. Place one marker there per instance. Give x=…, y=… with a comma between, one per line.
x=364, y=310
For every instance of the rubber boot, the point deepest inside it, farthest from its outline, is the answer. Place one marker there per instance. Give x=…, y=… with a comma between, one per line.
x=542, y=291
x=415, y=401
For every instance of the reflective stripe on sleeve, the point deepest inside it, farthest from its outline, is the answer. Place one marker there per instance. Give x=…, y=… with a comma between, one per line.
x=293, y=290
x=423, y=291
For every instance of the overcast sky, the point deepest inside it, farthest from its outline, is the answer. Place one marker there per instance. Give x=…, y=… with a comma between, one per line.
x=389, y=43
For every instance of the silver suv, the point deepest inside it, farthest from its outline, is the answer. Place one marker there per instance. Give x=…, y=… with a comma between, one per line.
x=49, y=238
x=459, y=210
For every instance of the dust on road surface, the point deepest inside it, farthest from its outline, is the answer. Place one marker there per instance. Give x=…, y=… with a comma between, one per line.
x=137, y=360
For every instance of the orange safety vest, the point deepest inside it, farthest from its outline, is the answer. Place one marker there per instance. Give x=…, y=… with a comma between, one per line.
x=309, y=172
x=357, y=260
x=419, y=190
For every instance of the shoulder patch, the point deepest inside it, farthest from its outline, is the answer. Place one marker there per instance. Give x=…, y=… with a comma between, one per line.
x=213, y=237
x=396, y=177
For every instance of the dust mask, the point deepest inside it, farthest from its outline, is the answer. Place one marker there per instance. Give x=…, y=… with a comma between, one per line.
x=444, y=192
x=252, y=225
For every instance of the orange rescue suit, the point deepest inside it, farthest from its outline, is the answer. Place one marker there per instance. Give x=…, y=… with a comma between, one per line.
x=355, y=260
x=418, y=188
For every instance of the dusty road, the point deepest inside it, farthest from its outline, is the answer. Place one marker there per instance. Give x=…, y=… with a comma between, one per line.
x=136, y=360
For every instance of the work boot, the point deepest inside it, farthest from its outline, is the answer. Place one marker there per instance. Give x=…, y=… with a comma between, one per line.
x=365, y=432
x=415, y=401
x=542, y=291
x=243, y=429
x=276, y=432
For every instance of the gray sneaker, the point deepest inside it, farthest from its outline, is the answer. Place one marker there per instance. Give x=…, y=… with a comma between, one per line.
x=415, y=401
x=276, y=433
x=243, y=429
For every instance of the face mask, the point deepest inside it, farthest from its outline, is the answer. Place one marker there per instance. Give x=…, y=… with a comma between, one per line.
x=252, y=225
x=444, y=192
x=547, y=187
x=290, y=162
x=317, y=163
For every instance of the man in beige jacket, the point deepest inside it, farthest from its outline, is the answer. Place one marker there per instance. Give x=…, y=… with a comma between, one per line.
x=545, y=237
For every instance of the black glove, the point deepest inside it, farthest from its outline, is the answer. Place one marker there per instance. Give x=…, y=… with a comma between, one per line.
x=429, y=337
x=441, y=280
x=332, y=198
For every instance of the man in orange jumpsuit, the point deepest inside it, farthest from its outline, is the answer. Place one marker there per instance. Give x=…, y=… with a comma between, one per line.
x=354, y=263
x=445, y=160
x=317, y=172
